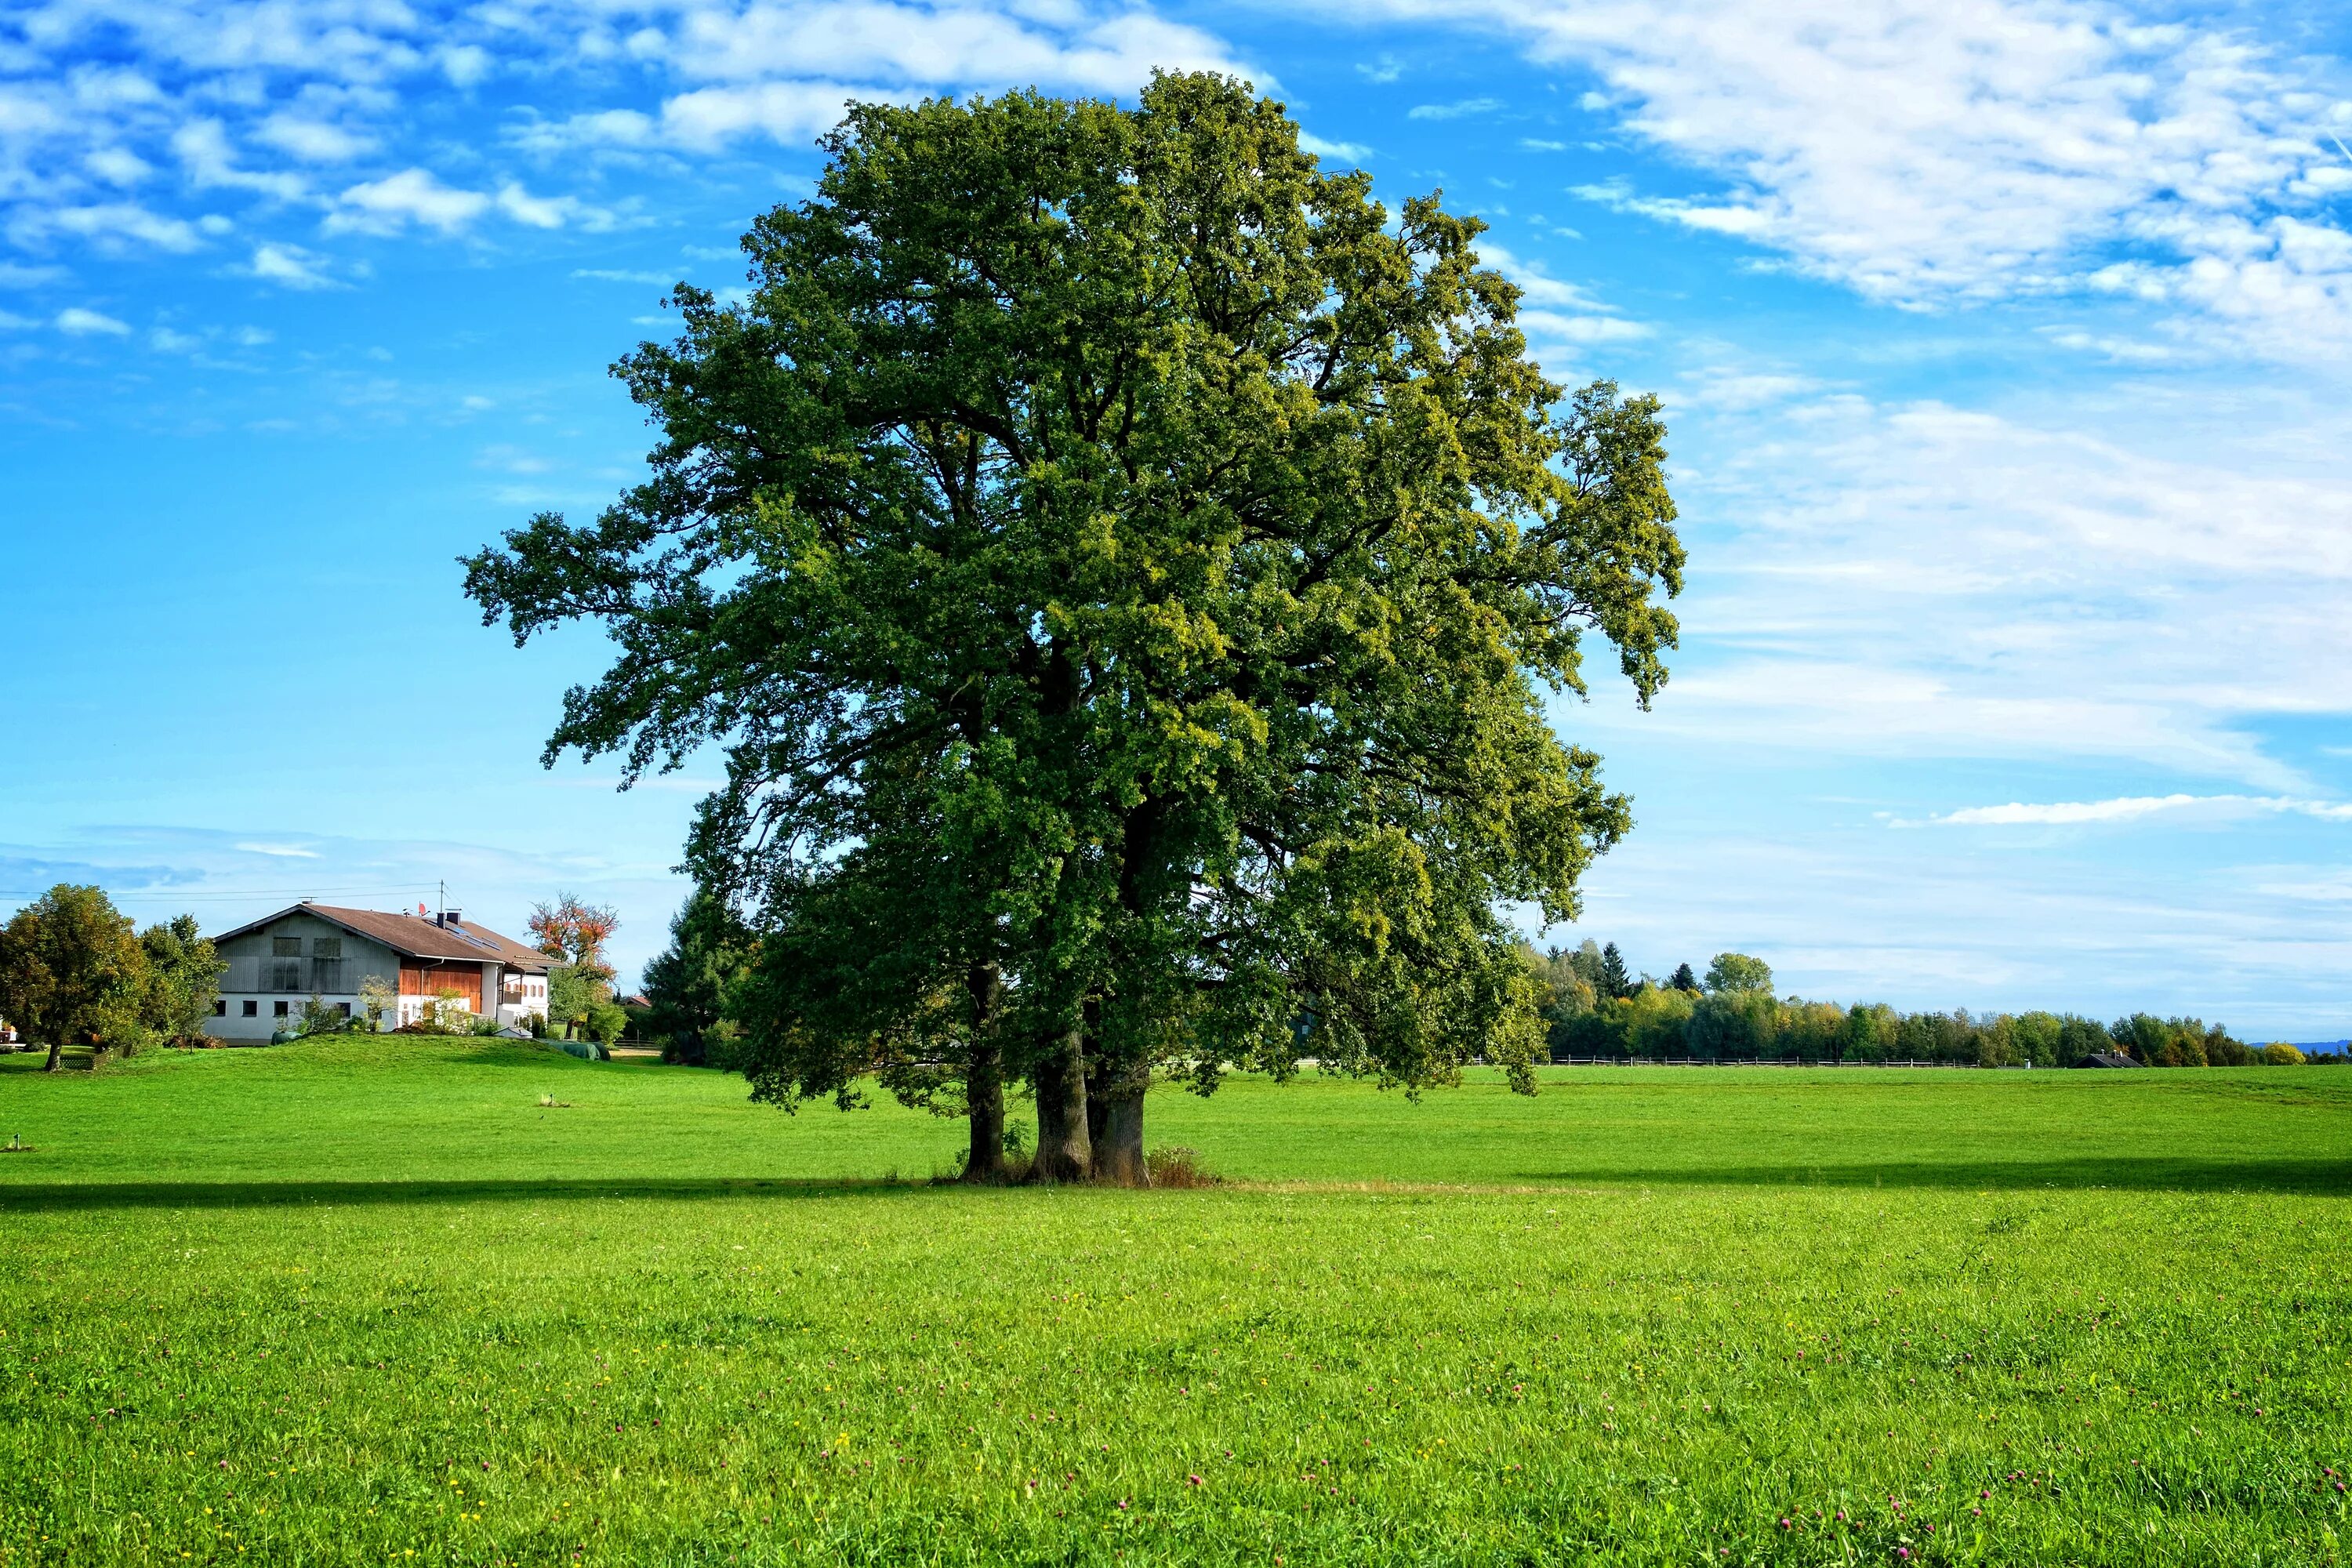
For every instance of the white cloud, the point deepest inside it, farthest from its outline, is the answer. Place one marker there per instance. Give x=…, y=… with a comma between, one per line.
x=1343, y=152
x=1554, y=326
x=280, y=851
x=411, y=195
x=117, y=166
x=1457, y=110
x=1735, y=389
x=904, y=45
x=110, y=226
x=1559, y=316
x=82, y=323
x=290, y=267
x=783, y=72
x=2158, y=583
x=2126, y=808
x=601, y=128
x=615, y=275
x=312, y=140
x=203, y=148
x=1924, y=152
x=551, y=212
x=465, y=65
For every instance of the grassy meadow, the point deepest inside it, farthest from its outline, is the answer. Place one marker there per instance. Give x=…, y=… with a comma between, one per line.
x=368, y=1302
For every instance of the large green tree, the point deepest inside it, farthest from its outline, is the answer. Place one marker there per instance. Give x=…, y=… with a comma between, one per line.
x=183, y=979
x=72, y=972
x=1123, y=565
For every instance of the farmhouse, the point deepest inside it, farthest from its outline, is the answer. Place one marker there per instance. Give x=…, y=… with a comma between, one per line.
x=276, y=963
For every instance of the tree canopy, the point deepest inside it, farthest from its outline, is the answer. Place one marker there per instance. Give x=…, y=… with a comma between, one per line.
x=574, y=933
x=1124, y=566
x=72, y=972
x=1733, y=973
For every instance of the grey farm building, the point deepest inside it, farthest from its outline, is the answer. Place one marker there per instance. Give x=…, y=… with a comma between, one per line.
x=276, y=963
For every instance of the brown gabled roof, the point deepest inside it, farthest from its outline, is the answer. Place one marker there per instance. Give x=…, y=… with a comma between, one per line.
x=417, y=936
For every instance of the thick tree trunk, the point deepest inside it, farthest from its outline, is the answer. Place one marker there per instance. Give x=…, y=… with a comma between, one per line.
x=983, y=1081
x=1064, y=1152
x=1097, y=1109
x=984, y=1091
x=1119, y=1149
x=56, y=1055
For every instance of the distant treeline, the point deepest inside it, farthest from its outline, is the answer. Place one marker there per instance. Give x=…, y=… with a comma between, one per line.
x=1596, y=1008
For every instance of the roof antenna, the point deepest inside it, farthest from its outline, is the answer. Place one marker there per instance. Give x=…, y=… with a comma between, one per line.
x=444, y=918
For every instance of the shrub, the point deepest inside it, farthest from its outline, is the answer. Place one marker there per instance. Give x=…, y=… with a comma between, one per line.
x=607, y=1022
x=319, y=1018
x=378, y=1001
x=722, y=1046
x=2279, y=1054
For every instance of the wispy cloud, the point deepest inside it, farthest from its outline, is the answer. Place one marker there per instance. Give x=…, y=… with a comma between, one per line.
x=2130, y=807
x=1455, y=110
x=1344, y=151
x=290, y=267
x=77, y=321
x=1926, y=155
x=411, y=195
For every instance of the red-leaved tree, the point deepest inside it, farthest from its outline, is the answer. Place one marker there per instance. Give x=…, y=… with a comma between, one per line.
x=575, y=933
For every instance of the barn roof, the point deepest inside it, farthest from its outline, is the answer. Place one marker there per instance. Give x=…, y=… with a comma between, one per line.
x=415, y=936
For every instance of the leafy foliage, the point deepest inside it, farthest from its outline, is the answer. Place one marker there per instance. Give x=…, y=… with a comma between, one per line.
x=691, y=985
x=183, y=978
x=72, y=973
x=1122, y=563
x=573, y=994
x=1735, y=972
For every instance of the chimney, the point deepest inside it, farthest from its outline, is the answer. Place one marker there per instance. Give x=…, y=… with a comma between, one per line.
x=451, y=917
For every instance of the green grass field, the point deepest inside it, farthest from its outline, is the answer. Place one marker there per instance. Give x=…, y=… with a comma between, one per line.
x=367, y=1301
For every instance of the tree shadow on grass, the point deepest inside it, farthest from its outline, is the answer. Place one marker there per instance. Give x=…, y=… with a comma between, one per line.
x=2317, y=1177
x=32, y=1196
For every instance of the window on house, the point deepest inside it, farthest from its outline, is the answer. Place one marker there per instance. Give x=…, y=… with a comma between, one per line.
x=220, y=1006
x=344, y=1009
x=286, y=947
x=286, y=974
x=251, y=1006
x=326, y=947
x=279, y=1009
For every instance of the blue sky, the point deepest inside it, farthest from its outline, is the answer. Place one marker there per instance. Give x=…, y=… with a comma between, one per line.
x=2004, y=345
